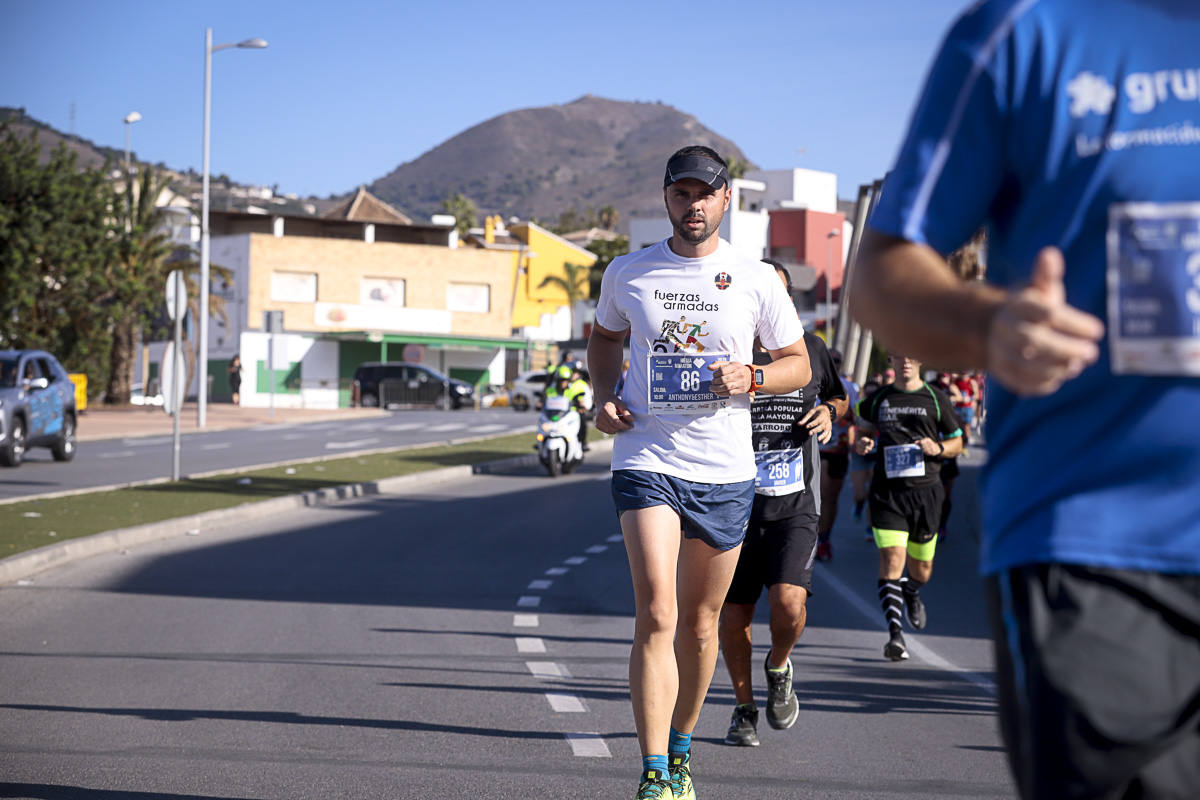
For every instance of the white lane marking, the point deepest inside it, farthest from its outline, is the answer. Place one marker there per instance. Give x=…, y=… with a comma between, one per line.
x=291, y=437
x=545, y=669
x=362, y=426
x=403, y=426
x=351, y=444
x=575, y=561
x=450, y=426
x=919, y=650
x=587, y=745
x=529, y=601
x=118, y=454
x=616, y=537
x=530, y=644
x=152, y=441
x=565, y=703
x=557, y=571
x=220, y=446
x=525, y=621
x=490, y=428
x=596, y=548
x=540, y=584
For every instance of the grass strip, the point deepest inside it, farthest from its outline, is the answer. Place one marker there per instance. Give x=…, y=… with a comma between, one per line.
x=34, y=523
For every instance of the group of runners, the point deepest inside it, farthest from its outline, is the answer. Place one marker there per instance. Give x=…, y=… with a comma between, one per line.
x=1091, y=543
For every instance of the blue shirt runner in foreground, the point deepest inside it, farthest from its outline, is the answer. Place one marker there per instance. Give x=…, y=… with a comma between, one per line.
x=1047, y=137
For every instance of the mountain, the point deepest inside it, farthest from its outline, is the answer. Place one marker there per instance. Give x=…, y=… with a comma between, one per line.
x=539, y=162
x=87, y=153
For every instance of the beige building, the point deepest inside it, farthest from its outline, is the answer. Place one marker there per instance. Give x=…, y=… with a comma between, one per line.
x=359, y=284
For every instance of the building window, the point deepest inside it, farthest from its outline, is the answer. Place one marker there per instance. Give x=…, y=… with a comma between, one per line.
x=294, y=287
x=472, y=297
x=381, y=292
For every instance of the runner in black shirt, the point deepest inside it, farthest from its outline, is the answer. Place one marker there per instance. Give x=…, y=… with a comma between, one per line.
x=781, y=539
x=916, y=427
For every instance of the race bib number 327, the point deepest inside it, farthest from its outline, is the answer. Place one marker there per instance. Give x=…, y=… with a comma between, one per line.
x=681, y=383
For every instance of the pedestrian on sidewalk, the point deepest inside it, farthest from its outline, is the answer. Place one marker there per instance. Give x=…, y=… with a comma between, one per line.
x=683, y=467
x=235, y=378
x=1059, y=126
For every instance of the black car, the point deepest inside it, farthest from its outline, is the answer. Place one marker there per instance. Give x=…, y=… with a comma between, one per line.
x=37, y=406
x=399, y=383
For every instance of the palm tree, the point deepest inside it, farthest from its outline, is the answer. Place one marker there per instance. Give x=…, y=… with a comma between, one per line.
x=575, y=286
x=608, y=216
x=143, y=248
x=737, y=167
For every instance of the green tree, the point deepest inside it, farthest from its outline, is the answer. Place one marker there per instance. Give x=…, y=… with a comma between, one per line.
x=608, y=216
x=737, y=167
x=464, y=211
x=57, y=256
x=574, y=283
x=139, y=282
x=606, y=250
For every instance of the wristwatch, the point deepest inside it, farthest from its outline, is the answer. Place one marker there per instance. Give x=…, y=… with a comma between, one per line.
x=757, y=379
x=832, y=411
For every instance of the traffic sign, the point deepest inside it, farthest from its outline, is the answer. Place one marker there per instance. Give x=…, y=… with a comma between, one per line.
x=174, y=373
x=176, y=295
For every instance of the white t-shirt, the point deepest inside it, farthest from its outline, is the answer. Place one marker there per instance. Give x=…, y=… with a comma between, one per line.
x=703, y=306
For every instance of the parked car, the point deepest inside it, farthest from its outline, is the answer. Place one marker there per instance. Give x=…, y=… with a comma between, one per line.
x=37, y=406
x=399, y=383
x=529, y=388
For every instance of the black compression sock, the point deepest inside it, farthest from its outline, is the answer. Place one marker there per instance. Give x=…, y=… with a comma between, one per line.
x=891, y=602
x=911, y=585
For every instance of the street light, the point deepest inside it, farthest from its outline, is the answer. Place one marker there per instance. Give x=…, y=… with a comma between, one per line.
x=130, y=118
x=209, y=49
x=829, y=237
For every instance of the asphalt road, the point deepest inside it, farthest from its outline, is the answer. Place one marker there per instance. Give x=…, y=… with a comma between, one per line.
x=109, y=462
x=470, y=641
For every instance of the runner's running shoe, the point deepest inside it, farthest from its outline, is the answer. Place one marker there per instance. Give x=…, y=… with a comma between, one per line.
x=681, y=776
x=743, y=727
x=824, y=551
x=782, y=706
x=655, y=785
x=914, y=609
x=895, y=649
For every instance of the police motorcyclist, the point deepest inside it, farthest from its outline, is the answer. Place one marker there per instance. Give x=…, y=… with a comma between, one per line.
x=575, y=390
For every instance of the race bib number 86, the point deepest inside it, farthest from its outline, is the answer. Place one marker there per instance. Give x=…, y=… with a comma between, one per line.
x=681, y=383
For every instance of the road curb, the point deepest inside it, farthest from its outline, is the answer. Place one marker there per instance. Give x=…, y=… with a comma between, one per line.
x=23, y=565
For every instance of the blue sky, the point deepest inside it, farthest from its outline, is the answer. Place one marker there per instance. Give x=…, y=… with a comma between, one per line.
x=349, y=90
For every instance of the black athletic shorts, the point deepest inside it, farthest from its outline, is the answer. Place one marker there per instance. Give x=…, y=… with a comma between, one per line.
x=774, y=551
x=839, y=464
x=918, y=511
x=1098, y=672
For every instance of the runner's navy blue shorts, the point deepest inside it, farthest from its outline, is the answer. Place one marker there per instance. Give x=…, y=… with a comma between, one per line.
x=715, y=513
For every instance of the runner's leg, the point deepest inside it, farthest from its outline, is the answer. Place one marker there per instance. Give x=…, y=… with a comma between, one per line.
x=652, y=537
x=736, y=622
x=789, y=614
x=704, y=577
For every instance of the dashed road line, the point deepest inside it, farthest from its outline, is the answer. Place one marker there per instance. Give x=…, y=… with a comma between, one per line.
x=588, y=745
x=575, y=561
x=530, y=644
x=217, y=446
x=545, y=669
x=351, y=444
x=557, y=571
x=449, y=426
x=529, y=601
x=565, y=703
x=616, y=537
x=540, y=584
x=118, y=454
x=526, y=621
x=596, y=548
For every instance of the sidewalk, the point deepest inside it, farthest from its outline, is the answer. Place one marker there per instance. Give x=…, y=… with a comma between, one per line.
x=100, y=422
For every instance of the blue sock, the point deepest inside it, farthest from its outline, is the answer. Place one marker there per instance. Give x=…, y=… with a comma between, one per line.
x=680, y=742
x=656, y=762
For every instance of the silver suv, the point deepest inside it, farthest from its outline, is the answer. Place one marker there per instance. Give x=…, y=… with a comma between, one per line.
x=37, y=406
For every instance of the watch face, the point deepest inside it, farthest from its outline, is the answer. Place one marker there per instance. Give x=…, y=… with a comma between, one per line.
x=758, y=377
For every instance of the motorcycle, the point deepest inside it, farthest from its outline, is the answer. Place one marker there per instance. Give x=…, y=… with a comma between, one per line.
x=558, y=447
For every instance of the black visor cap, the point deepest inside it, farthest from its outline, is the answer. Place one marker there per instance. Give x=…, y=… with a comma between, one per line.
x=701, y=168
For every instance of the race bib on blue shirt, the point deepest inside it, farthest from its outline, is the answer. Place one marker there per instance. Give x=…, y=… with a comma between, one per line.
x=904, y=461
x=1154, y=288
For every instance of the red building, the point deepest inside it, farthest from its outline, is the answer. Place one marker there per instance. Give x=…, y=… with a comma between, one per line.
x=812, y=238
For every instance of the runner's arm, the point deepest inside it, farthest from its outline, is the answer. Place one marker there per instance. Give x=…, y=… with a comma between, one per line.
x=605, y=352
x=1030, y=339
x=788, y=371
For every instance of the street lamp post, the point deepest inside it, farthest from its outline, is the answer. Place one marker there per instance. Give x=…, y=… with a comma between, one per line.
x=829, y=237
x=130, y=118
x=209, y=49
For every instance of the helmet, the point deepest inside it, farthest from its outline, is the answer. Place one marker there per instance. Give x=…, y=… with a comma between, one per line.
x=577, y=365
x=563, y=373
